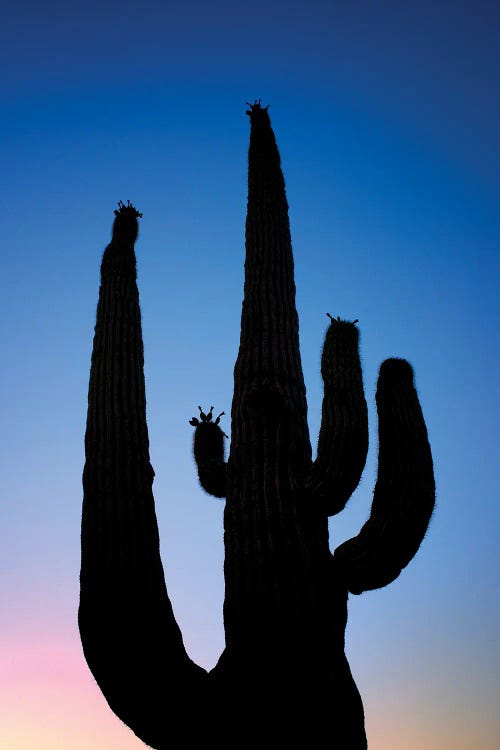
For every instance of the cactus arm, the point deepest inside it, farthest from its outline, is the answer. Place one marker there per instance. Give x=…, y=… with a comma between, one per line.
x=343, y=437
x=129, y=634
x=404, y=493
x=208, y=450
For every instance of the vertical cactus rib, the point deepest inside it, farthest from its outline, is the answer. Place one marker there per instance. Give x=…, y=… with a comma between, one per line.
x=343, y=437
x=127, y=626
x=404, y=494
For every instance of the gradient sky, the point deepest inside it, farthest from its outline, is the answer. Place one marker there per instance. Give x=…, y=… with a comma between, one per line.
x=387, y=117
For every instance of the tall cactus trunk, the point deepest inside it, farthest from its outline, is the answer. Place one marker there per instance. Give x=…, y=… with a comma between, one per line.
x=284, y=610
x=264, y=532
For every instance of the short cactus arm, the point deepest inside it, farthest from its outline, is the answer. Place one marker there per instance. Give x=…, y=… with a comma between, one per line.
x=208, y=449
x=343, y=437
x=129, y=634
x=404, y=493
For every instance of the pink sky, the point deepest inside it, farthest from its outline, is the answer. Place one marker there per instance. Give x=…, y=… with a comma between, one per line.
x=49, y=701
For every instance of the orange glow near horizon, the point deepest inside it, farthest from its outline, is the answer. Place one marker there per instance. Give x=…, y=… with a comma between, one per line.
x=50, y=701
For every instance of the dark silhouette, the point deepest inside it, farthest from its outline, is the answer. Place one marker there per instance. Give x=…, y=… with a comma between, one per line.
x=283, y=678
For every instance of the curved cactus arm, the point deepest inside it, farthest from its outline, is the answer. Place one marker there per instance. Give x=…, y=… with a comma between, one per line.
x=343, y=437
x=129, y=634
x=208, y=449
x=404, y=493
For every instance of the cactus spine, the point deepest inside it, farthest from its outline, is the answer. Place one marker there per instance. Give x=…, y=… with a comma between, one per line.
x=283, y=676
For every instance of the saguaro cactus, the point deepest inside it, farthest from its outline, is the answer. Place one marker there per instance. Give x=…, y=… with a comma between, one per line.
x=283, y=677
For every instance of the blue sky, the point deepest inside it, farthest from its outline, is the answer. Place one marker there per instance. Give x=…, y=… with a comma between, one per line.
x=387, y=119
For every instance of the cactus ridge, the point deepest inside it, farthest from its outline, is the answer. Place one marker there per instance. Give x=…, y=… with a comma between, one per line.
x=283, y=677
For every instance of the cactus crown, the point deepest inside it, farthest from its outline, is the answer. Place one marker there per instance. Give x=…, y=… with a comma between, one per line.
x=125, y=227
x=256, y=108
x=127, y=211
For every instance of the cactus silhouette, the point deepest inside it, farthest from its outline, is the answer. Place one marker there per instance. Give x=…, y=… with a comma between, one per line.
x=283, y=677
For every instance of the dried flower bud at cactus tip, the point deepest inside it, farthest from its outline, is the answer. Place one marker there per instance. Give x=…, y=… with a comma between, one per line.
x=127, y=210
x=206, y=418
x=256, y=107
x=339, y=320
